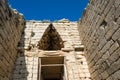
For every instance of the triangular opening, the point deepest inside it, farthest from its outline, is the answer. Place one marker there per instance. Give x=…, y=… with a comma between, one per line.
x=51, y=39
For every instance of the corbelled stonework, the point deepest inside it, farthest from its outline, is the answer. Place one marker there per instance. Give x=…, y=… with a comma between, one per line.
x=62, y=50
x=51, y=39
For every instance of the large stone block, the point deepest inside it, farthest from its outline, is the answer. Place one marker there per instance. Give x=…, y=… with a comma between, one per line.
x=113, y=47
x=116, y=35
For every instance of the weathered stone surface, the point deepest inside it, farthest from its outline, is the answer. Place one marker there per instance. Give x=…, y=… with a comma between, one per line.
x=11, y=26
x=99, y=33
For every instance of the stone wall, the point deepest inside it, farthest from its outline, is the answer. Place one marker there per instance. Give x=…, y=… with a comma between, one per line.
x=100, y=33
x=11, y=25
x=37, y=32
x=68, y=32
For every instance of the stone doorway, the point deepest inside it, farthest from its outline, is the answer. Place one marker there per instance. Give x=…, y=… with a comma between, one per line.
x=52, y=68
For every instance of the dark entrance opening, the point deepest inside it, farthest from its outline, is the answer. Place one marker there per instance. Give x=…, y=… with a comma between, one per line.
x=51, y=39
x=52, y=72
x=52, y=68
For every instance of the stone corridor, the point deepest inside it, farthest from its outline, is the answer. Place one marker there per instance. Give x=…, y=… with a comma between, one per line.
x=63, y=50
x=27, y=63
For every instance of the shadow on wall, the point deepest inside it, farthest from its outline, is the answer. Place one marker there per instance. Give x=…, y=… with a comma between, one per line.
x=51, y=39
x=20, y=69
x=11, y=26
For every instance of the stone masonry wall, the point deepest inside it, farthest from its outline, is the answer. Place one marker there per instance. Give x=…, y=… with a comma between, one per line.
x=11, y=25
x=68, y=31
x=100, y=33
x=35, y=31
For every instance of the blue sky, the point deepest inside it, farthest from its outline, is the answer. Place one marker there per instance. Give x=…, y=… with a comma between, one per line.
x=50, y=9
